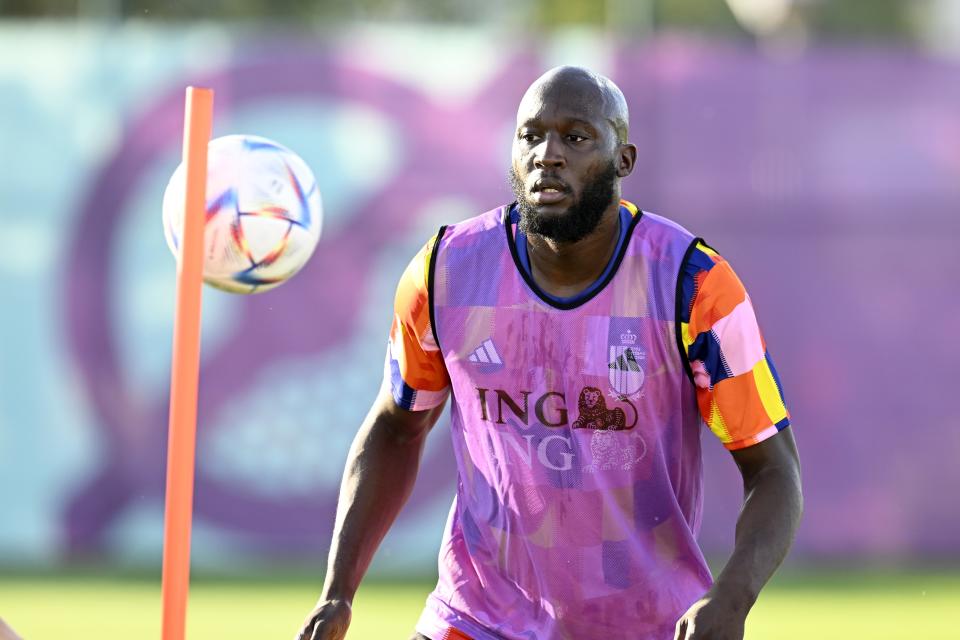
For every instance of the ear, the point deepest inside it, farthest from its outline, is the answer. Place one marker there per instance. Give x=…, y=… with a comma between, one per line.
x=626, y=159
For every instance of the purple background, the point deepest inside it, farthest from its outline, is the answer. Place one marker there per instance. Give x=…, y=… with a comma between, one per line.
x=830, y=180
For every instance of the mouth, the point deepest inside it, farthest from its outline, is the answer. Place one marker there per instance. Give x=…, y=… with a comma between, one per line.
x=549, y=191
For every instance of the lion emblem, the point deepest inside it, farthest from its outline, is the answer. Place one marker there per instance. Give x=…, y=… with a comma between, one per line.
x=609, y=449
x=609, y=452
x=595, y=415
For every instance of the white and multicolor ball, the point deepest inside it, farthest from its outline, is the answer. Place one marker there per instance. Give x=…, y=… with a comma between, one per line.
x=263, y=216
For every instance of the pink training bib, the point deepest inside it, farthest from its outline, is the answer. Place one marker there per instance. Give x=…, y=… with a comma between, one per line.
x=577, y=437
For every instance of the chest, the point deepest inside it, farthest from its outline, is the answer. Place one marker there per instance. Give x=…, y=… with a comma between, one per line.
x=557, y=367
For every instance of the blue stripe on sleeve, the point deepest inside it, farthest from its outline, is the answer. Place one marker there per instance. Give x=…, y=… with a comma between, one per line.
x=697, y=262
x=776, y=376
x=706, y=348
x=403, y=394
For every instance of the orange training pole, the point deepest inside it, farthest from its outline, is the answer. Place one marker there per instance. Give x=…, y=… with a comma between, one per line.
x=185, y=368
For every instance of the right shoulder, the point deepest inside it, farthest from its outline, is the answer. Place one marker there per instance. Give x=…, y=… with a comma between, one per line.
x=461, y=232
x=413, y=287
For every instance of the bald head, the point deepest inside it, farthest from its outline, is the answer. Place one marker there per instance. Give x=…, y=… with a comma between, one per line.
x=589, y=91
x=569, y=154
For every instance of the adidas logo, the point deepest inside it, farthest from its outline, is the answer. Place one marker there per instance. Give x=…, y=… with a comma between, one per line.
x=486, y=353
x=626, y=361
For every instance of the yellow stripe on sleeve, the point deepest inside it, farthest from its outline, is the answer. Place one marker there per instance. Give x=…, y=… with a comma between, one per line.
x=427, y=254
x=716, y=423
x=769, y=393
x=685, y=336
x=707, y=250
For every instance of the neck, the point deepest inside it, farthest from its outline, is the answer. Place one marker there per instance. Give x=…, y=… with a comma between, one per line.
x=564, y=269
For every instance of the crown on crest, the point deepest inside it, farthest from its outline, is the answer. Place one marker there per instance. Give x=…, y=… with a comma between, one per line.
x=628, y=338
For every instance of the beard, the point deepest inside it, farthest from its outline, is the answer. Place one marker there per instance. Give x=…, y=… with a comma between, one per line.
x=580, y=218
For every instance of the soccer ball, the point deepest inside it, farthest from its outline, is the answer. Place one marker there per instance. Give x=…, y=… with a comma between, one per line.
x=263, y=214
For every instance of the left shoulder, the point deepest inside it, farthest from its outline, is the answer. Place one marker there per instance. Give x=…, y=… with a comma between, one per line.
x=702, y=258
x=660, y=237
x=661, y=223
x=709, y=282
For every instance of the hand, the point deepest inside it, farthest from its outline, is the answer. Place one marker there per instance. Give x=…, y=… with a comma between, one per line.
x=711, y=619
x=328, y=621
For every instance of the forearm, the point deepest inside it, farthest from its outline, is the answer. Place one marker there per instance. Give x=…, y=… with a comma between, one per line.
x=773, y=505
x=378, y=478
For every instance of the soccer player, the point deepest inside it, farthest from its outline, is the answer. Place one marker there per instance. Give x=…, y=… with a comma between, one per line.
x=584, y=343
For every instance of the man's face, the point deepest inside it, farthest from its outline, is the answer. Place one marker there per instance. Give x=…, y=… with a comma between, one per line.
x=564, y=171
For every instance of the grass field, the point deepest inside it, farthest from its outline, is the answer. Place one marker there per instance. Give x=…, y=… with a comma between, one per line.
x=820, y=606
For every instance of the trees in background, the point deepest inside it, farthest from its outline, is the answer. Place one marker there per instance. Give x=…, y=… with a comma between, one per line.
x=826, y=19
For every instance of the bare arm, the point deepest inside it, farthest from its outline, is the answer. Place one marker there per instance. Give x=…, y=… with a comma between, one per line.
x=773, y=504
x=379, y=476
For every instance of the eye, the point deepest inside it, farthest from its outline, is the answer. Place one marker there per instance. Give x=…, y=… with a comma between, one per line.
x=575, y=137
x=529, y=137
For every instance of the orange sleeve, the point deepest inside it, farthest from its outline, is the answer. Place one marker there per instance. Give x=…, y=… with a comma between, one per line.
x=738, y=390
x=414, y=365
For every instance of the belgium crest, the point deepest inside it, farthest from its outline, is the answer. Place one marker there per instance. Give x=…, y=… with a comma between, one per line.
x=626, y=366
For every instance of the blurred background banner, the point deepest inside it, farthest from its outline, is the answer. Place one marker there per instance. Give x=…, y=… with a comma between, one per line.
x=828, y=175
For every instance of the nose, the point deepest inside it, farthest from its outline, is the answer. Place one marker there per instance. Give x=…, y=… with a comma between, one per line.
x=549, y=153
